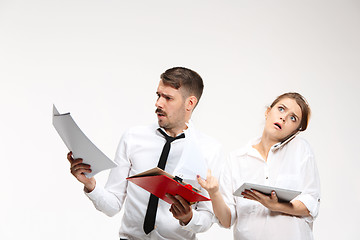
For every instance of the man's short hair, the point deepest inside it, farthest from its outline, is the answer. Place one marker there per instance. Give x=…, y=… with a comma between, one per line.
x=189, y=80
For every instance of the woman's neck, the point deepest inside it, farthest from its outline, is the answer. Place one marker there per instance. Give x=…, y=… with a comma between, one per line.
x=263, y=147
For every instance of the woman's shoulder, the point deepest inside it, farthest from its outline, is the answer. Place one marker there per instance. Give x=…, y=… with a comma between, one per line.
x=300, y=144
x=242, y=151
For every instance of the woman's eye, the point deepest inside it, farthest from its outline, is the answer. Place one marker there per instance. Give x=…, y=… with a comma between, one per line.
x=281, y=109
x=293, y=118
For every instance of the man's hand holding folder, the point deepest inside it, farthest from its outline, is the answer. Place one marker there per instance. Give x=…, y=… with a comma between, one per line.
x=181, y=209
x=161, y=183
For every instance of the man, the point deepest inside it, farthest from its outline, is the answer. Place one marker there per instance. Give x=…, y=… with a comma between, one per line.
x=145, y=216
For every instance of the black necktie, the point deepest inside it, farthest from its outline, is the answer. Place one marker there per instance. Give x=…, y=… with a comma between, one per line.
x=150, y=216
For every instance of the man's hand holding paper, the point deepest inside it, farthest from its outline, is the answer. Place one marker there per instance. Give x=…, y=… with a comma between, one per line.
x=78, y=169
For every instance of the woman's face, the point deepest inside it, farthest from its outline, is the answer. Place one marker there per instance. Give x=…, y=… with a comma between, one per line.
x=283, y=119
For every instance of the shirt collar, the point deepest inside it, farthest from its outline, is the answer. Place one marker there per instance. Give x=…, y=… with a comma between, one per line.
x=190, y=126
x=251, y=151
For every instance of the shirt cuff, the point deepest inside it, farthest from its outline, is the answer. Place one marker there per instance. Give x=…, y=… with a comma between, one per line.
x=192, y=223
x=311, y=204
x=96, y=193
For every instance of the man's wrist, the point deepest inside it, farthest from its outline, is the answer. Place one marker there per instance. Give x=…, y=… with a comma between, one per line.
x=185, y=222
x=89, y=187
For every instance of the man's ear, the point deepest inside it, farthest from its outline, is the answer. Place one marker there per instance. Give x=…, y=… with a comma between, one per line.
x=190, y=103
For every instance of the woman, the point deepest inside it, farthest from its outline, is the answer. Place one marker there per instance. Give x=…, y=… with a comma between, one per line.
x=290, y=166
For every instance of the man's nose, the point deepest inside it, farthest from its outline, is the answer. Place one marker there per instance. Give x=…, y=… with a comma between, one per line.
x=158, y=103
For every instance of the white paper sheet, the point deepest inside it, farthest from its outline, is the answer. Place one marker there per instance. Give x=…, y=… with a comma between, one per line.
x=192, y=162
x=80, y=145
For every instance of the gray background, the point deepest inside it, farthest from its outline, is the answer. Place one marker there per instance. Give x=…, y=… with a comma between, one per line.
x=101, y=60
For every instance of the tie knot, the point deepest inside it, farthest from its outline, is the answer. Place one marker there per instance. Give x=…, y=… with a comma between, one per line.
x=170, y=139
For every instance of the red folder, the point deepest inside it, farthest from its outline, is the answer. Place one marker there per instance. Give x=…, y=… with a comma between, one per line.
x=159, y=182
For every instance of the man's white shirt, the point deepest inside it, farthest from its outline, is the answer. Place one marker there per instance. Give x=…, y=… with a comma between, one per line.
x=139, y=150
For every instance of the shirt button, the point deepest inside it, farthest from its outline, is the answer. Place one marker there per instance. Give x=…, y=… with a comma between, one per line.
x=267, y=177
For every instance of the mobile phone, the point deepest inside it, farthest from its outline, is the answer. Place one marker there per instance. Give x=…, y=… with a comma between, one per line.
x=281, y=144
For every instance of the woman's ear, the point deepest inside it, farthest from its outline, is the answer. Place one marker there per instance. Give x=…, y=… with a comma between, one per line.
x=267, y=112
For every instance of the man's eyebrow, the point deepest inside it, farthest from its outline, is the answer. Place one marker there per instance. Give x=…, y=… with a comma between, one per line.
x=164, y=94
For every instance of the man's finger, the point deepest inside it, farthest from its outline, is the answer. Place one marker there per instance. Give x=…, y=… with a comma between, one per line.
x=176, y=202
x=80, y=166
x=69, y=157
x=81, y=171
x=171, y=197
x=182, y=201
x=77, y=162
x=175, y=211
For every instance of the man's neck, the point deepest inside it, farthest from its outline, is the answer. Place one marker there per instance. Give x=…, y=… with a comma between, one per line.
x=173, y=132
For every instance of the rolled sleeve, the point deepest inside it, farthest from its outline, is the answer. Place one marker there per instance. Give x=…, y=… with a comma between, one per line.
x=311, y=203
x=226, y=189
x=310, y=195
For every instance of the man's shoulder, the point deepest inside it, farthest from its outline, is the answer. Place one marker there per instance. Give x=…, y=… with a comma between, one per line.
x=139, y=132
x=206, y=140
x=141, y=129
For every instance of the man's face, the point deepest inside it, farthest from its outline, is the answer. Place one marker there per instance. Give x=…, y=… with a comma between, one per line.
x=283, y=119
x=170, y=108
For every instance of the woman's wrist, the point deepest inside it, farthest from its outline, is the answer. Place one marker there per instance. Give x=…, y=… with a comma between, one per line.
x=214, y=194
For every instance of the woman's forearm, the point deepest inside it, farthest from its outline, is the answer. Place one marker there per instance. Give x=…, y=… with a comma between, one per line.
x=221, y=210
x=295, y=208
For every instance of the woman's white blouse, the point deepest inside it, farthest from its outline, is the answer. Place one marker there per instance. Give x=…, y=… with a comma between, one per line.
x=291, y=167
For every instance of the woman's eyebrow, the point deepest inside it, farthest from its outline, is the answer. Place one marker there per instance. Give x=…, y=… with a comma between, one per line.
x=286, y=108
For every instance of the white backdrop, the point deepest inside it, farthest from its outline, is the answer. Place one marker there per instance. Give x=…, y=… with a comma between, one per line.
x=101, y=60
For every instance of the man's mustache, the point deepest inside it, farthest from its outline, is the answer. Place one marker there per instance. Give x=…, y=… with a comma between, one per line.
x=159, y=111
